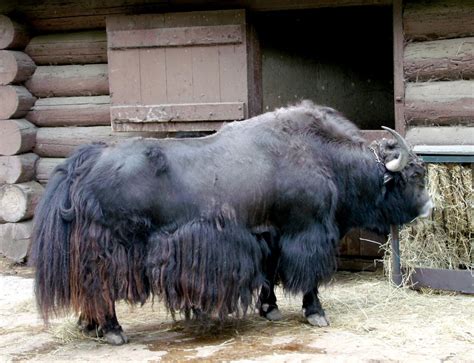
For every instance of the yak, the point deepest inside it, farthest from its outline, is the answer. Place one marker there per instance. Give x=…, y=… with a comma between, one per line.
x=210, y=224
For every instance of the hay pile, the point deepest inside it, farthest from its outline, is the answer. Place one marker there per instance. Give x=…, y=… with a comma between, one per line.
x=445, y=240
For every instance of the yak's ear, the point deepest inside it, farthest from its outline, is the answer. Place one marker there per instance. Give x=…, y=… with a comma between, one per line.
x=387, y=177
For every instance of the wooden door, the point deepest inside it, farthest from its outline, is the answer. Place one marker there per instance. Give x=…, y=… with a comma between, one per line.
x=186, y=71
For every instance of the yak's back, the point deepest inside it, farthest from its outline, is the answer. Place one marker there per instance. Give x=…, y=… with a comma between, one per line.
x=304, y=118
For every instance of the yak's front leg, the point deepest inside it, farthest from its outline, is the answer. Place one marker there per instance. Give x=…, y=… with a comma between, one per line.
x=112, y=330
x=313, y=311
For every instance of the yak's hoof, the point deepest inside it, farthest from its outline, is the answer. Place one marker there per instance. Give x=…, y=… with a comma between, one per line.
x=317, y=320
x=272, y=314
x=116, y=337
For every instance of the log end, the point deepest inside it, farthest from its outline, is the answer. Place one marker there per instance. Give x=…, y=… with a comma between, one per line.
x=16, y=136
x=18, y=201
x=12, y=34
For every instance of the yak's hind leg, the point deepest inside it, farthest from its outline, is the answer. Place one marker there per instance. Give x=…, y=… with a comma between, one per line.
x=313, y=311
x=267, y=306
x=207, y=265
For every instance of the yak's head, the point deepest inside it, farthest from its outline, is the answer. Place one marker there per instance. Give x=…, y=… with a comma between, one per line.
x=405, y=194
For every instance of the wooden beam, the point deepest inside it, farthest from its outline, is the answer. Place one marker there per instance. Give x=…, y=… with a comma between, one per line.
x=71, y=111
x=398, y=77
x=60, y=142
x=178, y=112
x=273, y=5
x=165, y=127
x=175, y=37
x=437, y=135
x=428, y=20
x=449, y=59
x=44, y=168
x=71, y=80
x=69, y=48
x=440, y=103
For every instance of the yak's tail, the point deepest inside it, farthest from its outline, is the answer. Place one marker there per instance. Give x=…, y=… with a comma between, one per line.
x=53, y=222
x=208, y=265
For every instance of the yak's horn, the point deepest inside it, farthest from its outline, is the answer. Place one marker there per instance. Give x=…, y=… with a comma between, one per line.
x=399, y=163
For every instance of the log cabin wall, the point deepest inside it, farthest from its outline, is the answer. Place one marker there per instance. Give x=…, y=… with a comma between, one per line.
x=438, y=63
x=68, y=49
x=19, y=192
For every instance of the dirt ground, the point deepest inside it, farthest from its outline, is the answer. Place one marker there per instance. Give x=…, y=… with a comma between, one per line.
x=370, y=321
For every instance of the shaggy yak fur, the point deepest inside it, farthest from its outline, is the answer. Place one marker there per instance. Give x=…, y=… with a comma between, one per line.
x=207, y=223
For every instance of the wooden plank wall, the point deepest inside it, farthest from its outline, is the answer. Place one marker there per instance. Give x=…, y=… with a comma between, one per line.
x=438, y=65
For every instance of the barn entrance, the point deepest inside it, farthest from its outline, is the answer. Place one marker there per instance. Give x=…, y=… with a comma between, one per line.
x=339, y=57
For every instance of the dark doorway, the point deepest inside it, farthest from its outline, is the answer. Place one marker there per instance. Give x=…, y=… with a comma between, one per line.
x=339, y=57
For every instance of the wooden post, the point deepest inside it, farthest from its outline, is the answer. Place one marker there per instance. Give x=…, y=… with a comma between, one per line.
x=396, y=268
x=398, y=80
x=16, y=136
x=75, y=80
x=15, y=67
x=17, y=168
x=15, y=102
x=18, y=201
x=12, y=35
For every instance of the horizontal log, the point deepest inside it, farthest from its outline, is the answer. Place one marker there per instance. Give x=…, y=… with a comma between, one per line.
x=15, y=101
x=71, y=111
x=439, y=103
x=44, y=168
x=18, y=201
x=16, y=136
x=454, y=135
x=69, y=48
x=73, y=80
x=18, y=168
x=12, y=34
x=61, y=141
x=15, y=240
x=15, y=67
x=449, y=59
x=427, y=20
